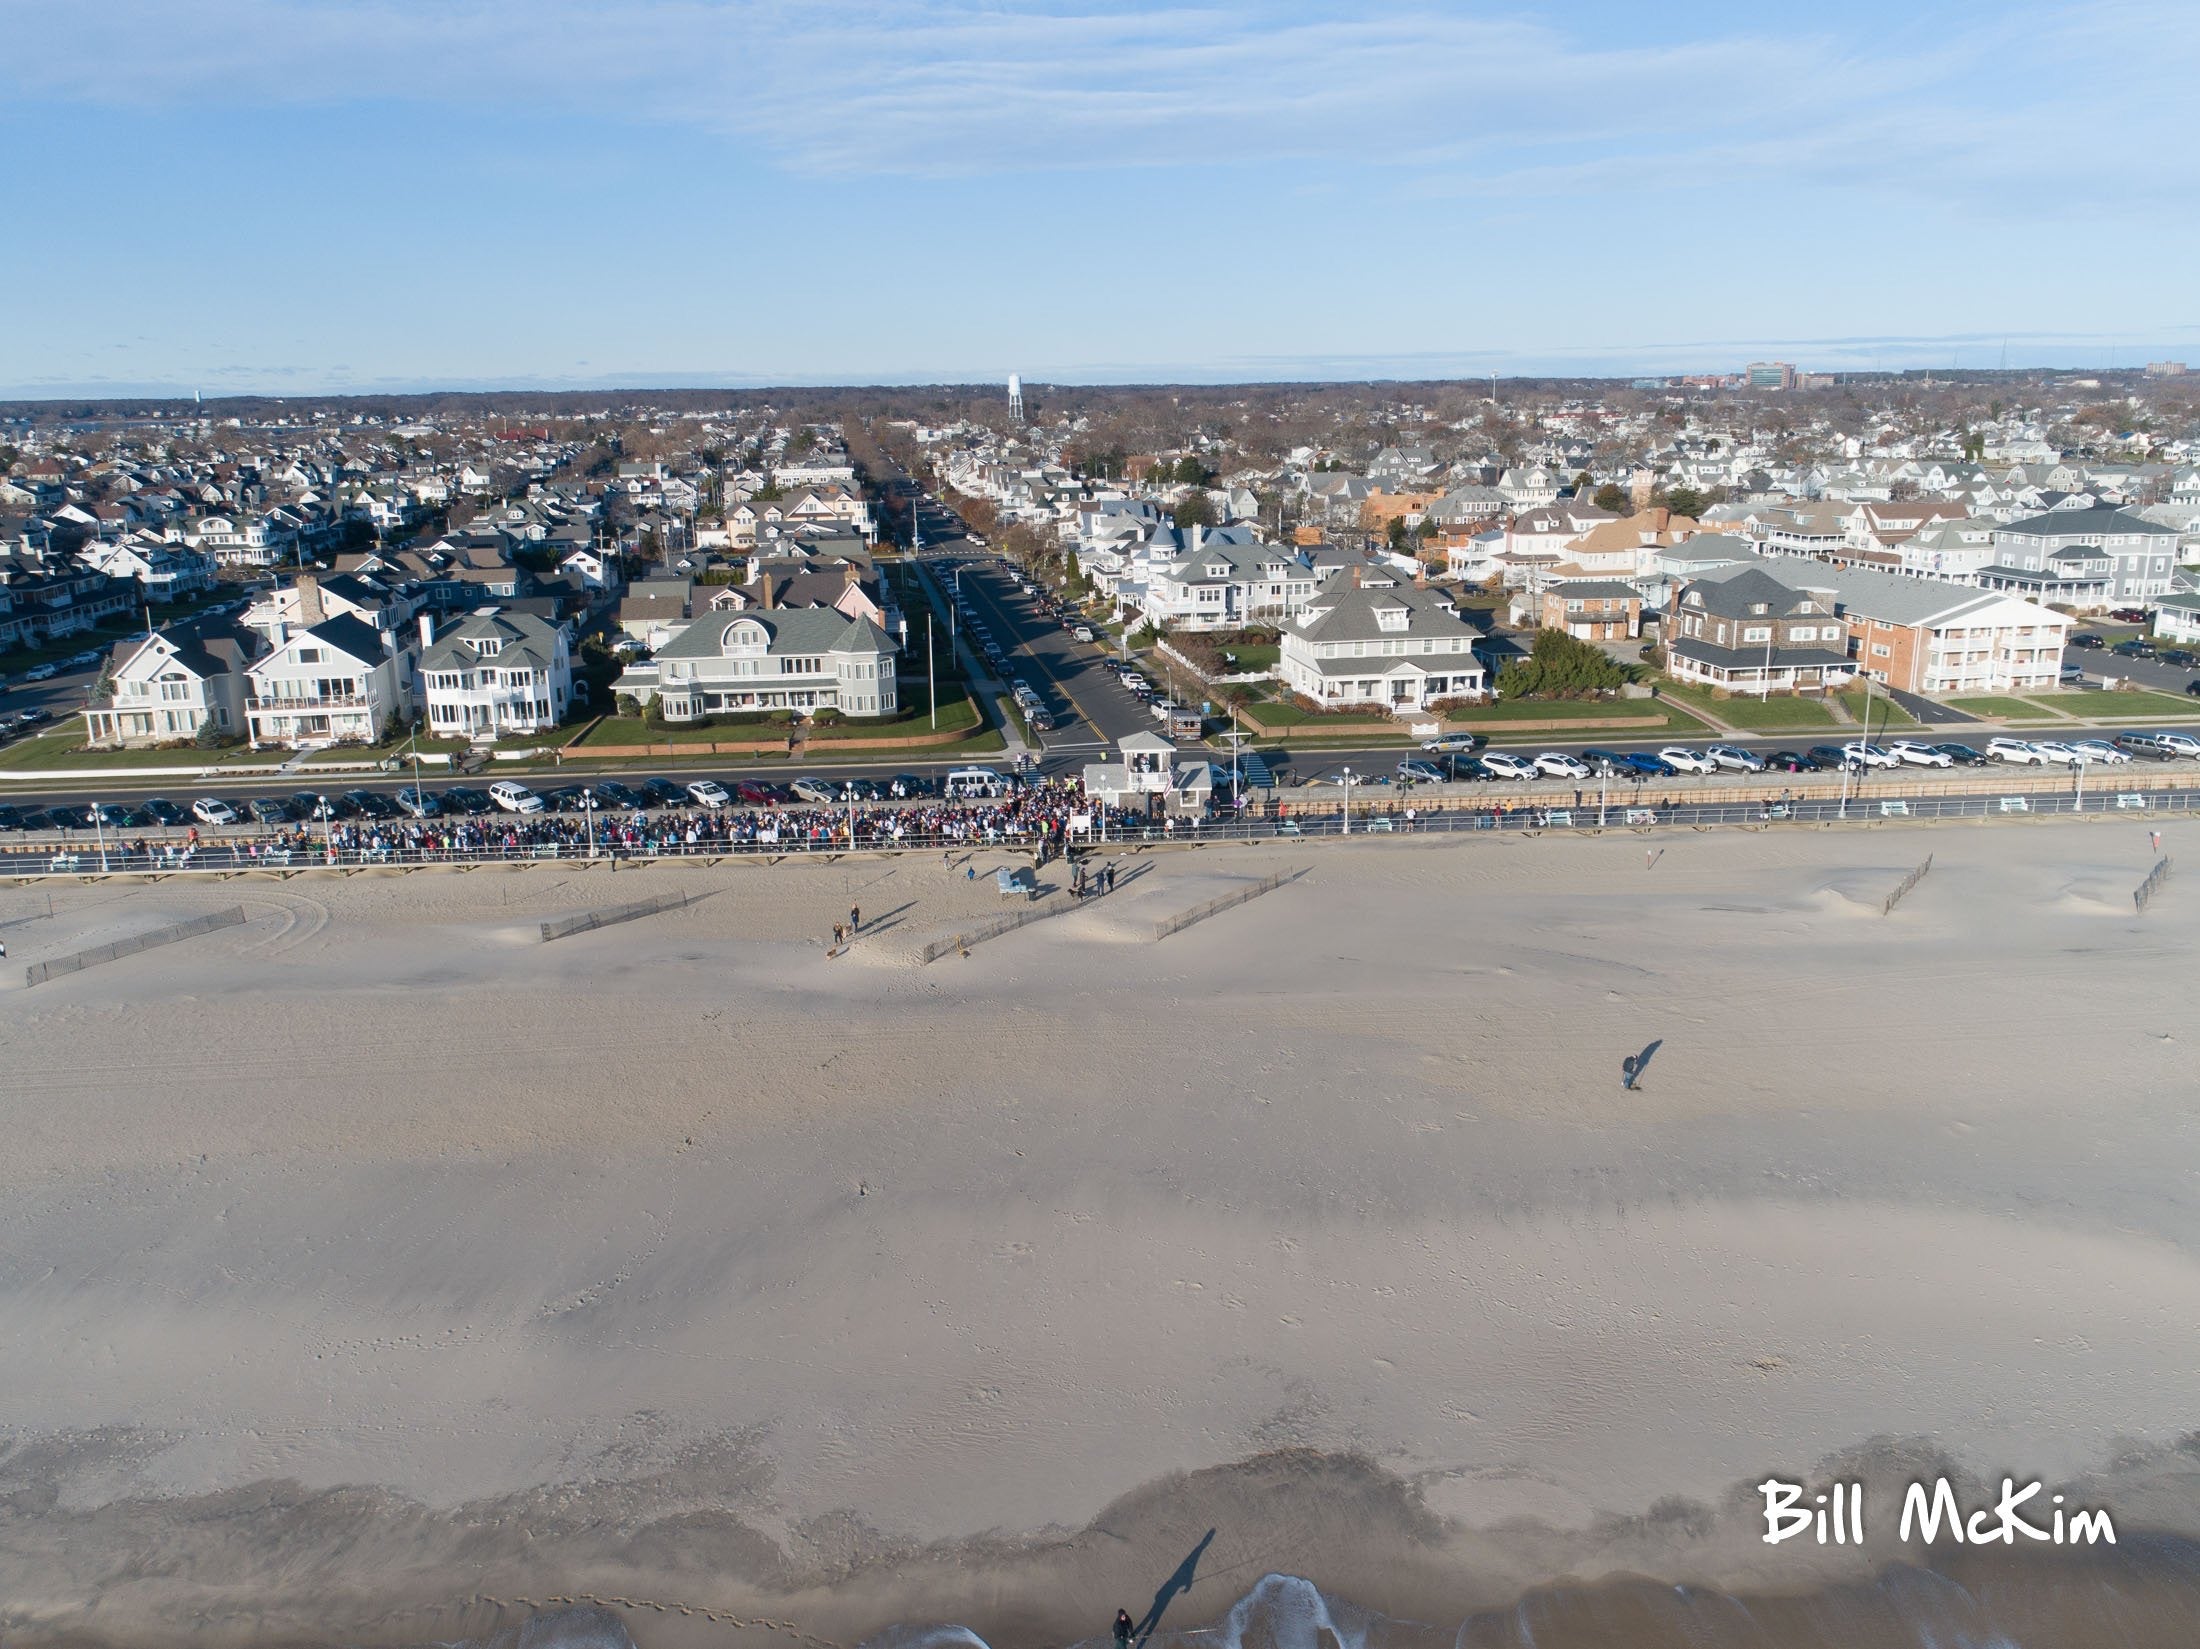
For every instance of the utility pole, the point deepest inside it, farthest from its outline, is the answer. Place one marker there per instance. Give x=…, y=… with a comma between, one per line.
x=931, y=686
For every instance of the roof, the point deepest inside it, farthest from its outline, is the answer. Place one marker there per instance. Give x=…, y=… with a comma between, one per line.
x=1735, y=593
x=1349, y=613
x=1596, y=589
x=788, y=629
x=2100, y=521
x=1890, y=597
x=520, y=636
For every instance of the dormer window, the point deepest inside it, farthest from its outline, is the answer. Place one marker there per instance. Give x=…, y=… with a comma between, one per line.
x=1390, y=618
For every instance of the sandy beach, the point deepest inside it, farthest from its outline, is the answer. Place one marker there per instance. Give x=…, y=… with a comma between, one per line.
x=375, y=1255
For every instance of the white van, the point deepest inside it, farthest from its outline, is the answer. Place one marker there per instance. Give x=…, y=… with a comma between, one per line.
x=514, y=798
x=966, y=783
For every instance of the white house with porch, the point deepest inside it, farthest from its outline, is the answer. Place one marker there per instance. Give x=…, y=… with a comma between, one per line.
x=338, y=681
x=494, y=673
x=1397, y=645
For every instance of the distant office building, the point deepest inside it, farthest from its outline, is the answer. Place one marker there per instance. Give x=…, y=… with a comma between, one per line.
x=1770, y=375
x=2165, y=369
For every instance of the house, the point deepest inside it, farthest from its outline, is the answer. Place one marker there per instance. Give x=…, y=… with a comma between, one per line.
x=161, y=571
x=656, y=610
x=1376, y=641
x=494, y=673
x=163, y=688
x=2177, y=618
x=1593, y=609
x=1747, y=632
x=336, y=681
x=792, y=581
x=313, y=597
x=1923, y=635
x=2084, y=557
x=1226, y=580
x=807, y=659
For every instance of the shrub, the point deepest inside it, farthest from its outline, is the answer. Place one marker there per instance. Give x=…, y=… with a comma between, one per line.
x=827, y=717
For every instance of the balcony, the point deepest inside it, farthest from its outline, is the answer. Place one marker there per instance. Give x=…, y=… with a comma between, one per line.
x=308, y=707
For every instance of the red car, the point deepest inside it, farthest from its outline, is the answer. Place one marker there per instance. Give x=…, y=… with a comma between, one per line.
x=757, y=793
x=2129, y=615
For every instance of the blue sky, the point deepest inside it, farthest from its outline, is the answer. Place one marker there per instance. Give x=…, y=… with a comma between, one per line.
x=292, y=196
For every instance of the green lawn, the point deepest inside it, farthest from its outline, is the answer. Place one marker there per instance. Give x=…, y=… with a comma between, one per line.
x=66, y=749
x=2003, y=709
x=955, y=713
x=2117, y=702
x=1780, y=713
x=1885, y=712
x=633, y=730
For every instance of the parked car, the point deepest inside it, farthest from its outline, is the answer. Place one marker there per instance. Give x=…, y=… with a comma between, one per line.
x=269, y=810
x=2017, y=752
x=1649, y=766
x=709, y=793
x=1453, y=744
x=2183, y=743
x=370, y=804
x=1605, y=761
x=1962, y=755
x=1870, y=755
x=11, y=818
x=815, y=791
x=610, y=793
x=1735, y=759
x=567, y=798
x=2129, y=615
x=1502, y=764
x=2087, y=639
x=1681, y=759
x=664, y=793
x=32, y=714
x=462, y=798
x=1920, y=755
x=2133, y=647
x=2055, y=750
x=908, y=786
x=1833, y=756
x=2192, y=689
x=42, y=672
x=416, y=803
x=2184, y=658
x=1793, y=761
x=162, y=811
x=1559, y=765
x=212, y=810
x=1415, y=771
x=2100, y=750
x=514, y=797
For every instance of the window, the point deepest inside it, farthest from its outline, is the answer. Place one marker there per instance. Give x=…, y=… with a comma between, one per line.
x=1757, y=632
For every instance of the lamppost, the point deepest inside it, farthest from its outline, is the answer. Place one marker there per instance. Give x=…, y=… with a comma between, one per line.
x=328, y=833
x=588, y=812
x=99, y=824
x=1348, y=779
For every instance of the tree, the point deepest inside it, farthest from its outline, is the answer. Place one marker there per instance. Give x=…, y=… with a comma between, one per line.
x=1191, y=471
x=1194, y=511
x=1685, y=501
x=1075, y=572
x=1612, y=498
x=1560, y=666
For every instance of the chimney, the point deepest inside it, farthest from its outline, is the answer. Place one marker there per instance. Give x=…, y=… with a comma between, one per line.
x=427, y=631
x=764, y=596
x=310, y=610
x=278, y=632
x=850, y=577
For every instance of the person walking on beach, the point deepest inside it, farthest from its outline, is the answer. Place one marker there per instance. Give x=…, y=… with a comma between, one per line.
x=1627, y=1070
x=855, y=919
x=1124, y=1627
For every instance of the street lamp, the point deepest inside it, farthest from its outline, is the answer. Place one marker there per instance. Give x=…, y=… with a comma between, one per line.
x=588, y=811
x=328, y=834
x=1348, y=779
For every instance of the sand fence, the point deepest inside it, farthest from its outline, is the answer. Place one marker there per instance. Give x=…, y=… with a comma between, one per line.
x=1214, y=907
x=1908, y=882
x=77, y=961
x=587, y=921
x=2143, y=894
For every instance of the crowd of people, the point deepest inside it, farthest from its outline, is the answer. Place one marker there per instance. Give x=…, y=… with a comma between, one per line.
x=1038, y=820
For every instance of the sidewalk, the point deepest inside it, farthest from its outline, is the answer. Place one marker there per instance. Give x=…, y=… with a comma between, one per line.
x=991, y=689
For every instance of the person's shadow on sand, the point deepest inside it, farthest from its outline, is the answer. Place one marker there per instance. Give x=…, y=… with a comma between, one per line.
x=1633, y=1069
x=1174, y=1587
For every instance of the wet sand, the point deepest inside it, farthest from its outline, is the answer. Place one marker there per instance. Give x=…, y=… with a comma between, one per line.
x=375, y=1256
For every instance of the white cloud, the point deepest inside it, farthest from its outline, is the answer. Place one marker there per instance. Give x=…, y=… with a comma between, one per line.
x=1465, y=104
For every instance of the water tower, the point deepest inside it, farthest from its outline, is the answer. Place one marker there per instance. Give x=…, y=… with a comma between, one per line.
x=1016, y=396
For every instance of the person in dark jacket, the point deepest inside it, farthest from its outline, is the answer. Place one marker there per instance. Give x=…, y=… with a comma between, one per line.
x=1124, y=1627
